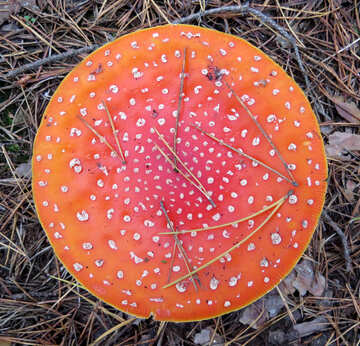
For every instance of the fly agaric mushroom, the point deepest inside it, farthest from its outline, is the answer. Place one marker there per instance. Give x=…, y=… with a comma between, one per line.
x=179, y=172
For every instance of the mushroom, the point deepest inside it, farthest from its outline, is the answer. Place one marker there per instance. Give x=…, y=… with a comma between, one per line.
x=179, y=172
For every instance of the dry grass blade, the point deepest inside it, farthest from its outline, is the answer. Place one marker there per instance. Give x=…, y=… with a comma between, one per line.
x=114, y=132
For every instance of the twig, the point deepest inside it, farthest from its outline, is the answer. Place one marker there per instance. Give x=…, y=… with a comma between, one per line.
x=238, y=244
x=178, y=244
x=263, y=132
x=220, y=141
x=182, y=77
x=341, y=234
x=114, y=133
x=245, y=9
x=70, y=53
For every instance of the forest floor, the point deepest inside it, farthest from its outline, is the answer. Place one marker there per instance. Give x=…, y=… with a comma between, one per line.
x=318, y=304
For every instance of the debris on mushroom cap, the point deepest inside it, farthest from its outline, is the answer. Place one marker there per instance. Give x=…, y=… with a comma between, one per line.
x=116, y=198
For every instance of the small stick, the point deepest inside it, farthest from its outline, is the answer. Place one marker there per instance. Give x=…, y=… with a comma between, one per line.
x=178, y=243
x=182, y=173
x=182, y=77
x=68, y=54
x=232, y=222
x=341, y=234
x=186, y=168
x=114, y=133
x=263, y=133
x=220, y=141
x=233, y=247
x=102, y=138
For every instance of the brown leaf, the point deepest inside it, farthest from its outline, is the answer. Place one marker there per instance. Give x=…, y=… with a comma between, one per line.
x=340, y=143
x=307, y=280
x=349, y=190
x=252, y=312
x=286, y=285
x=348, y=110
x=314, y=326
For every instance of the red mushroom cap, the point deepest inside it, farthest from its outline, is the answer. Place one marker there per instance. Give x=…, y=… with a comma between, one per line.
x=108, y=181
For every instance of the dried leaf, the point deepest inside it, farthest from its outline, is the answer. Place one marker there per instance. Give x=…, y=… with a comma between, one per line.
x=348, y=110
x=307, y=280
x=286, y=285
x=308, y=328
x=23, y=170
x=252, y=312
x=204, y=337
x=349, y=190
x=340, y=143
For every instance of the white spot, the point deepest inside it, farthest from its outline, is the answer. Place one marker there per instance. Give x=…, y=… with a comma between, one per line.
x=87, y=246
x=77, y=266
x=136, y=236
x=114, y=89
x=99, y=263
x=275, y=238
x=251, y=247
x=293, y=199
x=75, y=164
x=180, y=287
x=82, y=215
x=256, y=141
x=243, y=182
x=292, y=147
x=233, y=281
x=214, y=283
x=112, y=244
x=216, y=217
x=135, y=258
x=264, y=263
x=140, y=122
x=75, y=132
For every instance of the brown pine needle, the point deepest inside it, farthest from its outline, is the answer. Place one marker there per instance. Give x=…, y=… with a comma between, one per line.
x=263, y=132
x=182, y=173
x=178, y=244
x=97, y=134
x=220, y=141
x=114, y=132
x=200, y=186
x=238, y=244
x=182, y=77
x=259, y=212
